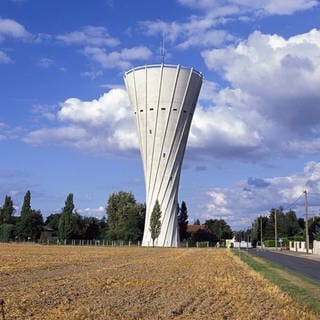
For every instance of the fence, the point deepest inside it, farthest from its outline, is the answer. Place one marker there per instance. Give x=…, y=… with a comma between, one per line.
x=122, y=243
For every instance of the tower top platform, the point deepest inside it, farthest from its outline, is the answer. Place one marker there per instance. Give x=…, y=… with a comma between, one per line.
x=173, y=66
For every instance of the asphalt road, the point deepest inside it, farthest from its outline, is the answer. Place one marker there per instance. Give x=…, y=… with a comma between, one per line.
x=306, y=267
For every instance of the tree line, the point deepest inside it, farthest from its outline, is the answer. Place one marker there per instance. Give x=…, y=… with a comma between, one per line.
x=288, y=226
x=124, y=220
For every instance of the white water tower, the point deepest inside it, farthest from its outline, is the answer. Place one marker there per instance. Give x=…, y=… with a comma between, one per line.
x=163, y=98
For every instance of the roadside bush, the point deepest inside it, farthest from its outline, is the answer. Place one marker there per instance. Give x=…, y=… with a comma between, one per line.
x=269, y=243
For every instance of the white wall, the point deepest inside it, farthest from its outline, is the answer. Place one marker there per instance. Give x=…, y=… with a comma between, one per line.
x=316, y=247
x=298, y=246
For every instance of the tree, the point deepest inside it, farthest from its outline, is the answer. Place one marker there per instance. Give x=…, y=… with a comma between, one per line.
x=65, y=221
x=219, y=228
x=155, y=222
x=31, y=221
x=183, y=221
x=314, y=229
x=302, y=223
x=26, y=206
x=125, y=217
x=256, y=229
x=197, y=222
x=6, y=232
x=291, y=224
x=52, y=221
x=202, y=235
x=92, y=228
x=6, y=211
x=78, y=227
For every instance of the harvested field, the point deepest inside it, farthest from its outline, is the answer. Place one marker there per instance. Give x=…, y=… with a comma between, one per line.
x=52, y=282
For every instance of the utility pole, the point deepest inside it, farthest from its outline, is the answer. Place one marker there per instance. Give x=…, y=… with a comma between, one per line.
x=261, y=232
x=307, y=227
x=275, y=229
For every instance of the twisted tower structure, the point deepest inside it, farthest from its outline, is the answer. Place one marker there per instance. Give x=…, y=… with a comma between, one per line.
x=163, y=98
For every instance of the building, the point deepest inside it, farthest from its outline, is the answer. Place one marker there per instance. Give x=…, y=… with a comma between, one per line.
x=163, y=98
x=196, y=227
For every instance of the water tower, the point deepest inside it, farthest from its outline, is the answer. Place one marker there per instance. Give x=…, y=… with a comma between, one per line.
x=163, y=98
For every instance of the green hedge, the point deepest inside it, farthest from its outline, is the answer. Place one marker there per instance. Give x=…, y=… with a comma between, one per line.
x=271, y=243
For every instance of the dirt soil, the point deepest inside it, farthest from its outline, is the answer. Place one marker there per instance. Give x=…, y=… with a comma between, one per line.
x=64, y=282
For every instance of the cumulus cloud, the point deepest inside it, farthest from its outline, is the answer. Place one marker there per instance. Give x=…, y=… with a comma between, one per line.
x=104, y=125
x=110, y=108
x=270, y=108
x=273, y=93
x=248, y=199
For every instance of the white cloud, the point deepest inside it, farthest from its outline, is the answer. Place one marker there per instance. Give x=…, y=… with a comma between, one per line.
x=186, y=34
x=274, y=93
x=68, y=135
x=222, y=128
x=282, y=7
x=103, y=125
x=95, y=41
x=90, y=36
x=9, y=133
x=12, y=29
x=45, y=111
x=117, y=59
x=92, y=74
x=18, y=1
x=210, y=38
x=46, y=63
x=4, y=58
x=206, y=29
x=98, y=212
x=247, y=200
x=110, y=108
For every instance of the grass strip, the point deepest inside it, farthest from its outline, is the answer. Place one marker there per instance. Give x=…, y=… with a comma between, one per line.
x=303, y=290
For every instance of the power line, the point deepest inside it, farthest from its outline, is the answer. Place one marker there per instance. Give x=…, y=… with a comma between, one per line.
x=294, y=202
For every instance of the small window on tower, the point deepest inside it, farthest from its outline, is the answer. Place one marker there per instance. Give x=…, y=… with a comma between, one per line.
x=151, y=109
x=164, y=155
x=150, y=131
x=174, y=109
x=163, y=108
x=141, y=110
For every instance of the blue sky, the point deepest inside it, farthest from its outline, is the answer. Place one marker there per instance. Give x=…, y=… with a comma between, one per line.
x=66, y=123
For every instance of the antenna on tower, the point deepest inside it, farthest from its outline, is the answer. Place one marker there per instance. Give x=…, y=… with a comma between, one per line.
x=162, y=49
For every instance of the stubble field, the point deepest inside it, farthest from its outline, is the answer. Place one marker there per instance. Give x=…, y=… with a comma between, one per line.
x=52, y=282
